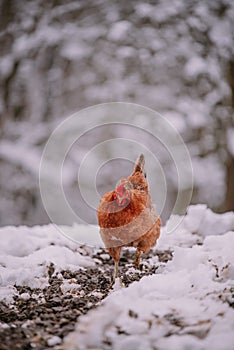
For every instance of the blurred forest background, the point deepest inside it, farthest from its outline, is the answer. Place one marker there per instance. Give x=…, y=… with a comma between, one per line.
x=59, y=56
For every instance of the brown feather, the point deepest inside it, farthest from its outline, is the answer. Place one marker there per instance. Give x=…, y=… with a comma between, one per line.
x=136, y=224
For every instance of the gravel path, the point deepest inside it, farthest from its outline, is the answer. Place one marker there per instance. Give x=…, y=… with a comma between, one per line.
x=40, y=318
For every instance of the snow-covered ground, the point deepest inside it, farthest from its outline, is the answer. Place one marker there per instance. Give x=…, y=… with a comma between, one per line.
x=26, y=253
x=187, y=304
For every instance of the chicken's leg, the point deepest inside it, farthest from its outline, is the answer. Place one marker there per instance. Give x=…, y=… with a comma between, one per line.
x=137, y=259
x=115, y=254
x=116, y=270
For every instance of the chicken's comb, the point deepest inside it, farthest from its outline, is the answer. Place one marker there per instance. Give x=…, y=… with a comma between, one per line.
x=120, y=188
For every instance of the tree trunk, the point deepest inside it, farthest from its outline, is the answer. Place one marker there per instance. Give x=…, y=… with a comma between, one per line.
x=229, y=200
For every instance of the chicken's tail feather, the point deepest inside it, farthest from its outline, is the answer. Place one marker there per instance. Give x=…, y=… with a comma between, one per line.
x=140, y=164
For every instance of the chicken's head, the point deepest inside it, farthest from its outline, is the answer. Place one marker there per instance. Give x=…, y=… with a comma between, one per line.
x=122, y=194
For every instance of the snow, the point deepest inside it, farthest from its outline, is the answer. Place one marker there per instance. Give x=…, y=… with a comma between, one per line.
x=195, y=66
x=204, y=221
x=186, y=304
x=70, y=285
x=58, y=60
x=183, y=306
x=26, y=253
x=13, y=152
x=220, y=33
x=119, y=30
x=25, y=296
x=54, y=341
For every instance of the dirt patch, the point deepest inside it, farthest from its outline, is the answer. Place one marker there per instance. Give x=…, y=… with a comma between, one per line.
x=40, y=318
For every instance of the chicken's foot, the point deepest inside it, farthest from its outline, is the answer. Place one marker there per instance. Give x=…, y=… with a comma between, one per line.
x=115, y=275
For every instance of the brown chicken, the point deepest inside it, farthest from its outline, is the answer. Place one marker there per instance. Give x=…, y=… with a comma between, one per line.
x=127, y=218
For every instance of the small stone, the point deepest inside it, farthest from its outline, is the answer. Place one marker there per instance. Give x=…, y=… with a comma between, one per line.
x=25, y=296
x=54, y=341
